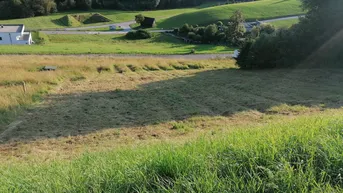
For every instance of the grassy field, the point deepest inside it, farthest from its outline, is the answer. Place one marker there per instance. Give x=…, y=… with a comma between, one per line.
x=112, y=44
x=304, y=155
x=176, y=17
x=285, y=23
x=252, y=10
x=52, y=21
x=163, y=125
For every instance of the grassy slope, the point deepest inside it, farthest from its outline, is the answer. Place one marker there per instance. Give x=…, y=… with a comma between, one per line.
x=134, y=112
x=304, y=155
x=107, y=44
x=252, y=10
x=276, y=8
x=285, y=23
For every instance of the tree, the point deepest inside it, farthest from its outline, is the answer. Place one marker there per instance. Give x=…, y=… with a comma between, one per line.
x=210, y=33
x=83, y=4
x=236, y=28
x=139, y=18
x=316, y=40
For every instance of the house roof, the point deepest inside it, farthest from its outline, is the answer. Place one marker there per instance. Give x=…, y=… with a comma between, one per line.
x=148, y=21
x=11, y=28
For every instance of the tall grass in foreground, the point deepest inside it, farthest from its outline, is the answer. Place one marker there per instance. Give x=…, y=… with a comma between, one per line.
x=305, y=155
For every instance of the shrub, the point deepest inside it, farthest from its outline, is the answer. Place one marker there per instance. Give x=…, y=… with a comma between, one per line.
x=185, y=29
x=219, y=23
x=139, y=34
x=198, y=38
x=210, y=32
x=267, y=28
x=191, y=35
x=139, y=18
x=200, y=30
x=255, y=32
x=220, y=36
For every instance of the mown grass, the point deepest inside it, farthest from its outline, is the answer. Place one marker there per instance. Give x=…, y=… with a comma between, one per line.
x=166, y=19
x=26, y=69
x=285, y=23
x=207, y=128
x=263, y=9
x=304, y=155
x=112, y=44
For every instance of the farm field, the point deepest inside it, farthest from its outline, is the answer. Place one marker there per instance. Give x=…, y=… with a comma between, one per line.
x=177, y=17
x=162, y=125
x=112, y=44
x=264, y=9
x=285, y=23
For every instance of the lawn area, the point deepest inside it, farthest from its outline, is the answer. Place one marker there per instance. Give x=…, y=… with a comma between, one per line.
x=260, y=10
x=285, y=23
x=208, y=13
x=166, y=125
x=112, y=44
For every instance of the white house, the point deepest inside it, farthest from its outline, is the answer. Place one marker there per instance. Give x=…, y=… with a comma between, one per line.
x=14, y=34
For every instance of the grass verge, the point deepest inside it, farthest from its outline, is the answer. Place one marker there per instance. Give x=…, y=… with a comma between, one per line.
x=112, y=44
x=304, y=155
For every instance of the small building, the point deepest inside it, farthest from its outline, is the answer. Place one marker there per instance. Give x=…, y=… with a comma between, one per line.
x=14, y=35
x=148, y=22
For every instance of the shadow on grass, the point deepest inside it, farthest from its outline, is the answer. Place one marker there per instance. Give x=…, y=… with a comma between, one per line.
x=208, y=93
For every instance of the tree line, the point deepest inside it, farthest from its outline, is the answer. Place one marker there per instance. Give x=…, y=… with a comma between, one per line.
x=10, y=9
x=315, y=41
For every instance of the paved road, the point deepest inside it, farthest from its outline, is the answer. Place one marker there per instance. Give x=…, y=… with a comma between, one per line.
x=170, y=56
x=127, y=28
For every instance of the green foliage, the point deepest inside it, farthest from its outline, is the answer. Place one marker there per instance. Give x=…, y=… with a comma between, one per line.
x=139, y=18
x=236, y=28
x=267, y=28
x=139, y=34
x=26, y=8
x=210, y=33
x=83, y=4
x=309, y=42
x=185, y=29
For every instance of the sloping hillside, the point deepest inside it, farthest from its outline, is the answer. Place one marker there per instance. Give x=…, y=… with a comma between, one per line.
x=252, y=10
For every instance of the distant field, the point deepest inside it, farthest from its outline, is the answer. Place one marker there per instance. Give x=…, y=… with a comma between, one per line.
x=110, y=44
x=285, y=23
x=166, y=125
x=46, y=22
x=264, y=9
x=175, y=17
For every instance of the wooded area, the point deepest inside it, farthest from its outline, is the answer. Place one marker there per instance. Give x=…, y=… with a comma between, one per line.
x=10, y=9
